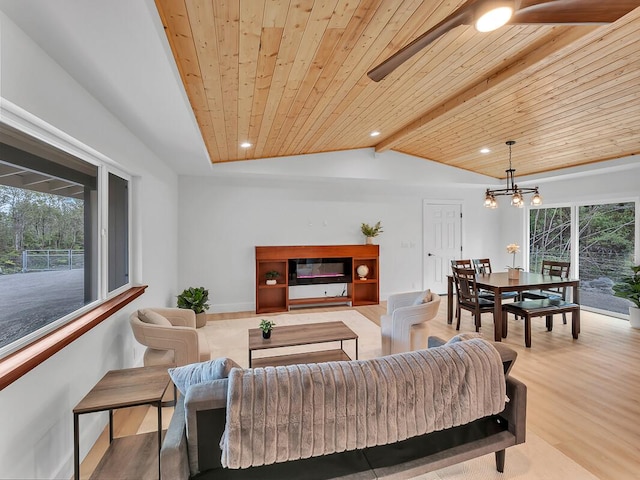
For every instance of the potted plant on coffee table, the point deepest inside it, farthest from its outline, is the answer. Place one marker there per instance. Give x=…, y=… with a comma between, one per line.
x=195, y=298
x=629, y=288
x=266, y=326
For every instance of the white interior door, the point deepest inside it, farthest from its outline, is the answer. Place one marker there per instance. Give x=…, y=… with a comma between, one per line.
x=442, y=225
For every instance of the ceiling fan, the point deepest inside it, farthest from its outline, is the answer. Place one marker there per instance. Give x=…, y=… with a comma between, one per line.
x=488, y=15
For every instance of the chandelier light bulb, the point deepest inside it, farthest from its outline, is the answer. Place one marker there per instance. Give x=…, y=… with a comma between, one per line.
x=517, y=200
x=488, y=200
x=536, y=199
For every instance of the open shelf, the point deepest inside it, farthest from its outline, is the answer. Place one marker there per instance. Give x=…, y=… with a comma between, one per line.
x=275, y=298
x=318, y=300
x=296, y=358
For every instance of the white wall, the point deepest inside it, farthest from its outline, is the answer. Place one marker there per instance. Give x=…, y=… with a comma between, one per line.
x=319, y=200
x=36, y=411
x=323, y=198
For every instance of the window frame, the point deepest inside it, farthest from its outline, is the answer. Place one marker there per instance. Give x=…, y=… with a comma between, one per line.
x=31, y=126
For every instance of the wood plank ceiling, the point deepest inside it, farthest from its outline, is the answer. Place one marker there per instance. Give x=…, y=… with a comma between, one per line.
x=289, y=77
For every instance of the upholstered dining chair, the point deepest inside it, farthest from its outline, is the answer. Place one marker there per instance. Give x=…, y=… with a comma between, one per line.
x=556, y=269
x=469, y=296
x=170, y=336
x=405, y=326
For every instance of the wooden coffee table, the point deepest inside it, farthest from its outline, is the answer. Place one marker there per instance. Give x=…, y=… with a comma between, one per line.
x=303, y=334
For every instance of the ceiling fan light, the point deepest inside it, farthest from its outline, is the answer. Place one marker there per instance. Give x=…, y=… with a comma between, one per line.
x=493, y=15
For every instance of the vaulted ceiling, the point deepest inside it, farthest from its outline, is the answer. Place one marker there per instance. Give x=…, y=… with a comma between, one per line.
x=290, y=77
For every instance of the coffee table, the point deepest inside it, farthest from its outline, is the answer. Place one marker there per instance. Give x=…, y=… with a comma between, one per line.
x=303, y=334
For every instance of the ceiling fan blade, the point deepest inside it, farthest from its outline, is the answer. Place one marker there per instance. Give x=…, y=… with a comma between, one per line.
x=462, y=16
x=572, y=11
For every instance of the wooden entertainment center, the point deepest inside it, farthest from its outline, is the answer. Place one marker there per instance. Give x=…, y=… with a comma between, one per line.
x=275, y=298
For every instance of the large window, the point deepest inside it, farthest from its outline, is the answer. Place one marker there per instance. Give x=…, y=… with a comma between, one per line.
x=53, y=232
x=599, y=241
x=606, y=239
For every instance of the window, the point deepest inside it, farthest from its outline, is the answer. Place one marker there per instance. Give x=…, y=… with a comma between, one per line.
x=118, y=232
x=606, y=239
x=50, y=243
x=603, y=241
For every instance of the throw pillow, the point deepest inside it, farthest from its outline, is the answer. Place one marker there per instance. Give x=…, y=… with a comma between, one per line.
x=424, y=297
x=194, y=373
x=149, y=316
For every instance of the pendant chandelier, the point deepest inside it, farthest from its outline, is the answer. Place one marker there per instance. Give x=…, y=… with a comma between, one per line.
x=516, y=193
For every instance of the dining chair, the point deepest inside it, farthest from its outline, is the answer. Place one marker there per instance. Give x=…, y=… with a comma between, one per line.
x=483, y=267
x=468, y=296
x=459, y=264
x=462, y=263
x=556, y=269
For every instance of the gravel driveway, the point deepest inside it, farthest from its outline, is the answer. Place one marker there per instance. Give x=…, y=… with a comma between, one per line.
x=29, y=301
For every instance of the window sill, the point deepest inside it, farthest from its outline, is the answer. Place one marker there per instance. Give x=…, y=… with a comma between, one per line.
x=24, y=360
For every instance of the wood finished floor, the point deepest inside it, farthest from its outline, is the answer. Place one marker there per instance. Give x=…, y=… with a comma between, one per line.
x=583, y=395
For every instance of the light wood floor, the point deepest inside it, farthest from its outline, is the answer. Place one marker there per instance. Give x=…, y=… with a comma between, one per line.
x=583, y=395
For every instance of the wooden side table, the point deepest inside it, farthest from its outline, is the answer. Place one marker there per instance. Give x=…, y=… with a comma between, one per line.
x=130, y=387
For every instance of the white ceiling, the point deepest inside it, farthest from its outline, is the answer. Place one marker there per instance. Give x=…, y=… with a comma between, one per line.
x=118, y=52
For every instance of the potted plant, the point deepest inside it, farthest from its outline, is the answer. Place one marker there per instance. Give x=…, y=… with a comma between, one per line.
x=629, y=288
x=195, y=298
x=370, y=232
x=271, y=277
x=266, y=326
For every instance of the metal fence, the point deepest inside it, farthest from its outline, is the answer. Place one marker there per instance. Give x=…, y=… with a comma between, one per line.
x=38, y=260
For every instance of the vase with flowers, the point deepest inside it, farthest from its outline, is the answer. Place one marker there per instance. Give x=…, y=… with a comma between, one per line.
x=514, y=272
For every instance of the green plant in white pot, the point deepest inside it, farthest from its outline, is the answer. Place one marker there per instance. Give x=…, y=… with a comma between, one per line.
x=371, y=231
x=271, y=277
x=629, y=288
x=195, y=298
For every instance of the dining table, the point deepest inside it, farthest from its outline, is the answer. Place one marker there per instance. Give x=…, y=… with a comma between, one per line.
x=499, y=282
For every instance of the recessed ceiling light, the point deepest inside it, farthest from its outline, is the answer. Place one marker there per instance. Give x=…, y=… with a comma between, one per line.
x=245, y=144
x=375, y=133
x=484, y=150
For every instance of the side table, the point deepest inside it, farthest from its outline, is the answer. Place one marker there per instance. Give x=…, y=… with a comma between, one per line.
x=130, y=387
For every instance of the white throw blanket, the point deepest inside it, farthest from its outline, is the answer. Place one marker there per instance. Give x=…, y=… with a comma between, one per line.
x=276, y=414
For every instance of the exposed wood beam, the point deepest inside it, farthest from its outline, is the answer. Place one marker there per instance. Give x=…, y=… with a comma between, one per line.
x=545, y=50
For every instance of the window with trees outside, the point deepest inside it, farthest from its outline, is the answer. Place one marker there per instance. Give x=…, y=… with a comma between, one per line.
x=52, y=233
x=603, y=237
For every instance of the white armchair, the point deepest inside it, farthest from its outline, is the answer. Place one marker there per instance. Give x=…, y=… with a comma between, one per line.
x=170, y=336
x=404, y=328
